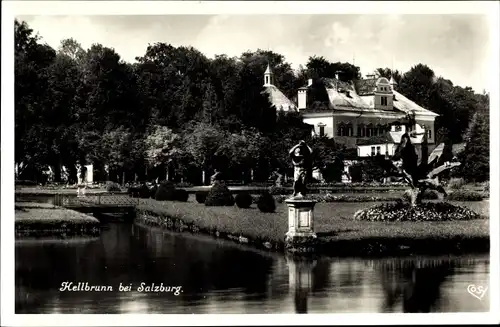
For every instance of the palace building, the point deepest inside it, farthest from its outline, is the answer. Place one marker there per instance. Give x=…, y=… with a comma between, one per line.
x=357, y=114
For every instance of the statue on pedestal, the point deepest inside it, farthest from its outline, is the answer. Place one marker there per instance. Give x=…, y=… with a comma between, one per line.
x=301, y=155
x=217, y=176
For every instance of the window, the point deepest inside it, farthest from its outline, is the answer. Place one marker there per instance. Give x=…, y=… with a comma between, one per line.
x=321, y=130
x=383, y=101
x=349, y=130
x=373, y=150
x=398, y=128
x=378, y=150
x=375, y=132
x=429, y=134
x=340, y=130
x=369, y=130
x=361, y=131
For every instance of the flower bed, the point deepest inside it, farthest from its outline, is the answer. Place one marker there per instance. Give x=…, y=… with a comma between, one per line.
x=429, y=211
x=465, y=195
x=39, y=219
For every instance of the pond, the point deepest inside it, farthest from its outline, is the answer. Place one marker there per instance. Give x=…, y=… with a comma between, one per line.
x=220, y=277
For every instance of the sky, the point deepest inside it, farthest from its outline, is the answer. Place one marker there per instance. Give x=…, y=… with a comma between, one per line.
x=455, y=46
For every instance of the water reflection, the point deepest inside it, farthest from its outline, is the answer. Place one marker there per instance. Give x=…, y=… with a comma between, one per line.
x=220, y=277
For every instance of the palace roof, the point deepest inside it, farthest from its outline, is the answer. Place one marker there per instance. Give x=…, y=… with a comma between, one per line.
x=278, y=99
x=359, y=97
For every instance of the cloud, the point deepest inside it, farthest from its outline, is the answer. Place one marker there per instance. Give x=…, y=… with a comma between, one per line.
x=455, y=46
x=339, y=35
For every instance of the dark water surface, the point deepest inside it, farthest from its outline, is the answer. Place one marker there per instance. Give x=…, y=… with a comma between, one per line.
x=219, y=277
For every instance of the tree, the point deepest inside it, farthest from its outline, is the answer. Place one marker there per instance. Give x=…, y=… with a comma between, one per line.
x=319, y=67
x=328, y=157
x=417, y=84
x=476, y=156
x=202, y=142
x=162, y=147
x=34, y=128
x=389, y=73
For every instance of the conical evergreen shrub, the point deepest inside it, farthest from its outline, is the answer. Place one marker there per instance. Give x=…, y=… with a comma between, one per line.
x=219, y=195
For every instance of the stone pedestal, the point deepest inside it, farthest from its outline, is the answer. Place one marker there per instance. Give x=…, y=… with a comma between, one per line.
x=300, y=236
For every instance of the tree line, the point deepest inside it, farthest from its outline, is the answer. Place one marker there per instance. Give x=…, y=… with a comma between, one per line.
x=175, y=113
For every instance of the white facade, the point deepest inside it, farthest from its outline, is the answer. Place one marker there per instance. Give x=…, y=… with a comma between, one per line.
x=361, y=116
x=374, y=149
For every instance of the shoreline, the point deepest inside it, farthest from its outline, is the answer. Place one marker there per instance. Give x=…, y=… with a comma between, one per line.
x=338, y=235
x=422, y=242
x=40, y=220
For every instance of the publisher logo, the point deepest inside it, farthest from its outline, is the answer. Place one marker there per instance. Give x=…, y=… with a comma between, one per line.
x=477, y=291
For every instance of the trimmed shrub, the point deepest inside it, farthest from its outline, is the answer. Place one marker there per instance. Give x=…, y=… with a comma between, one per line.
x=266, y=203
x=279, y=190
x=165, y=192
x=201, y=196
x=464, y=195
x=181, y=195
x=219, y=195
x=456, y=183
x=113, y=187
x=243, y=200
x=144, y=192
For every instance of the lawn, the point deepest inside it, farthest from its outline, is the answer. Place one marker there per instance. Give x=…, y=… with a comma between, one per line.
x=43, y=219
x=333, y=223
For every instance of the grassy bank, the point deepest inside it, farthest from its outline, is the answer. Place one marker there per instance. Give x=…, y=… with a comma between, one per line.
x=42, y=219
x=338, y=233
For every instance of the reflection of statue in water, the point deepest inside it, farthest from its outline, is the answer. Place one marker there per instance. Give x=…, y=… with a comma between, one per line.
x=301, y=158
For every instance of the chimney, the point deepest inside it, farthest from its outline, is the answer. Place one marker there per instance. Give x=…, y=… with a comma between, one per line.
x=302, y=98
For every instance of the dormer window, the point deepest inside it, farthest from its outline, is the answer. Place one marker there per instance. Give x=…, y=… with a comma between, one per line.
x=383, y=101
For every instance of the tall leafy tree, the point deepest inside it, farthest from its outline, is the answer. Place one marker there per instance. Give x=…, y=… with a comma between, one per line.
x=33, y=144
